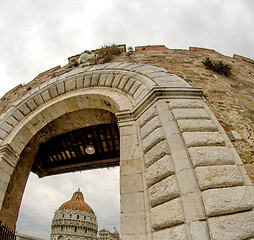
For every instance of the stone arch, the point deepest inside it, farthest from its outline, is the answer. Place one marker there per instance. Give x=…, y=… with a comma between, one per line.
x=177, y=167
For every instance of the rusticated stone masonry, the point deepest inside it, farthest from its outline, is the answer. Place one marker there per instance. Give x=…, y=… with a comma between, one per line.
x=180, y=176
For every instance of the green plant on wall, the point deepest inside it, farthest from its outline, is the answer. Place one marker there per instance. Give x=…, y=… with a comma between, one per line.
x=218, y=66
x=106, y=53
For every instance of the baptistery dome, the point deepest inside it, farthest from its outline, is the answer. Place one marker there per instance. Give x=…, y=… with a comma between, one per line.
x=74, y=219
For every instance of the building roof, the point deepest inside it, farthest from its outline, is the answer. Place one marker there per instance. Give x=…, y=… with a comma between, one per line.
x=77, y=203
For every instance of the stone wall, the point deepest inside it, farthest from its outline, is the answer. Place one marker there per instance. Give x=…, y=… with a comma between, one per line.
x=231, y=99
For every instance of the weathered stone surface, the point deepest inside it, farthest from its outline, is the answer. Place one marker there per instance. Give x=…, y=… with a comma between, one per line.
x=173, y=233
x=132, y=202
x=233, y=226
x=147, y=116
x=198, y=230
x=164, y=191
x=190, y=113
x=185, y=103
x=159, y=170
x=167, y=214
x=193, y=207
x=194, y=139
x=153, y=138
x=155, y=153
x=211, y=155
x=150, y=127
x=198, y=125
x=187, y=181
x=227, y=200
x=219, y=176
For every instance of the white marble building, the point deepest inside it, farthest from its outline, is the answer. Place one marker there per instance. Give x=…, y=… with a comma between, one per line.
x=74, y=220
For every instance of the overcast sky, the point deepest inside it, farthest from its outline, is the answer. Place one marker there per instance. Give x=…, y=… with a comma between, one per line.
x=37, y=35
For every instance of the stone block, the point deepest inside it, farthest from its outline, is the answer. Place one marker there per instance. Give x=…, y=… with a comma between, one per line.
x=133, y=223
x=211, y=155
x=155, y=153
x=129, y=84
x=24, y=109
x=198, y=230
x=175, y=142
x=6, y=127
x=190, y=113
x=164, y=191
x=140, y=92
x=12, y=121
x=80, y=81
x=109, y=79
x=132, y=202
x=18, y=115
x=102, y=79
x=181, y=160
x=193, y=207
x=129, y=147
x=147, y=116
x=38, y=100
x=124, y=80
x=46, y=96
x=186, y=103
x=227, y=200
x=131, y=184
x=159, y=170
x=60, y=88
x=195, y=139
x=95, y=79
x=117, y=80
x=134, y=88
x=70, y=84
x=31, y=104
x=87, y=80
x=150, y=126
x=131, y=166
x=167, y=214
x=219, y=176
x=152, y=139
x=187, y=181
x=173, y=233
x=233, y=226
x=196, y=125
x=53, y=91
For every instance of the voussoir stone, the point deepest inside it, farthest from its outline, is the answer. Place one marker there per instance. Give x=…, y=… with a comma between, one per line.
x=227, y=200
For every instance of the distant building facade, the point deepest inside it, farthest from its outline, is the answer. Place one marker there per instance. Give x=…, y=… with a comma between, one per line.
x=74, y=220
x=107, y=235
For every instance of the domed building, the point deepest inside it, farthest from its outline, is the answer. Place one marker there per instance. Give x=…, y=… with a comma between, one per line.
x=74, y=220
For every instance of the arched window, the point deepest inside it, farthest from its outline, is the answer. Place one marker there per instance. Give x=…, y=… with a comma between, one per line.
x=77, y=216
x=70, y=215
x=75, y=230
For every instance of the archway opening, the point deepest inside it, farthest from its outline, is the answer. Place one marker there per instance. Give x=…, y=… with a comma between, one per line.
x=79, y=140
x=43, y=196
